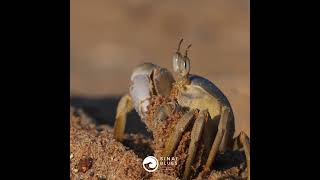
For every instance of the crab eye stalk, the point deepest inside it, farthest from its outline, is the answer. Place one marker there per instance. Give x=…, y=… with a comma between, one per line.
x=185, y=66
x=177, y=59
x=185, y=69
x=181, y=64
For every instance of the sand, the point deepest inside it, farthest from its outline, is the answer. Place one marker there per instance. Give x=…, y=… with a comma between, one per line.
x=95, y=154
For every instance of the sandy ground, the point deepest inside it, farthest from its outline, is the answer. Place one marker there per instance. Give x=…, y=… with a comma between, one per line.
x=95, y=154
x=109, y=38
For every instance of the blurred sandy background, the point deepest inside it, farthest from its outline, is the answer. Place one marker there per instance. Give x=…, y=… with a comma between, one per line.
x=110, y=38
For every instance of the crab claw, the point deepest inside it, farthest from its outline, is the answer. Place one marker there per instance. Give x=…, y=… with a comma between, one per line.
x=163, y=81
x=147, y=80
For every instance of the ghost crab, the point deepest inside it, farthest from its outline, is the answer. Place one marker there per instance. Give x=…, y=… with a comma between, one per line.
x=198, y=101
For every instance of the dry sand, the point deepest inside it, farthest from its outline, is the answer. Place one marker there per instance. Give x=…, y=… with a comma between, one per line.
x=95, y=154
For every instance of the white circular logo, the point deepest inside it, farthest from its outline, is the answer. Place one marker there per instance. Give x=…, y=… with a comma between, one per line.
x=150, y=164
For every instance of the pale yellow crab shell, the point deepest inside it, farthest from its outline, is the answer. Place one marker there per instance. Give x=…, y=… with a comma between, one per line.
x=202, y=94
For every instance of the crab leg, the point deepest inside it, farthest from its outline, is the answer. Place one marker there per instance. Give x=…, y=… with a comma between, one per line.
x=242, y=141
x=217, y=141
x=195, y=137
x=124, y=106
x=209, y=133
x=176, y=135
x=164, y=111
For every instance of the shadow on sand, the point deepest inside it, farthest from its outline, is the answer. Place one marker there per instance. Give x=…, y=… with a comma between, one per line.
x=103, y=111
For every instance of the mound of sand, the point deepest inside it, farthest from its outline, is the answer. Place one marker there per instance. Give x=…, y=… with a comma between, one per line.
x=95, y=154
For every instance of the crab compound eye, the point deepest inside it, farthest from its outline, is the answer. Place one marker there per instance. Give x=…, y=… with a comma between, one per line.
x=185, y=66
x=181, y=65
x=177, y=59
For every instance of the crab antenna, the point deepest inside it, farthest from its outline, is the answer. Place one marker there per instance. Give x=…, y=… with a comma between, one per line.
x=178, y=50
x=186, y=54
